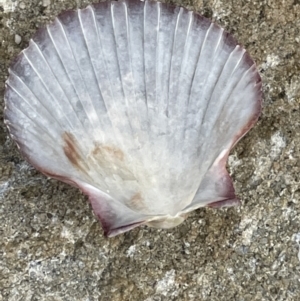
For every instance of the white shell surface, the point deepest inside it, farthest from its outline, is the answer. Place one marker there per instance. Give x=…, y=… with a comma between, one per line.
x=136, y=103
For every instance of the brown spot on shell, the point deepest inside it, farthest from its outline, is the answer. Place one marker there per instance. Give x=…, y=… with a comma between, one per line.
x=106, y=160
x=73, y=153
x=111, y=160
x=136, y=202
x=108, y=151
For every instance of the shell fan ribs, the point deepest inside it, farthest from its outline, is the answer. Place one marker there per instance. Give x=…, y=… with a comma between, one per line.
x=138, y=104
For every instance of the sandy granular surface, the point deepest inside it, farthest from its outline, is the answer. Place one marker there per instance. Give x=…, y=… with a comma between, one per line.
x=52, y=247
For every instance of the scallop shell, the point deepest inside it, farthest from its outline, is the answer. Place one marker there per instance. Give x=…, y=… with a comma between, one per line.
x=138, y=104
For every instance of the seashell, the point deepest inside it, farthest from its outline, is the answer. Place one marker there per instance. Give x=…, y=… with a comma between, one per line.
x=138, y=104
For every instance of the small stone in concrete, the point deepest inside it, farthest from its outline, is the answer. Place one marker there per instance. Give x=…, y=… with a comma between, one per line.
x=18, y=39
x=22, y=5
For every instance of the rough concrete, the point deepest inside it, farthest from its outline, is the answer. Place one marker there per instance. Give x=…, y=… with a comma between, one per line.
x=52, y=247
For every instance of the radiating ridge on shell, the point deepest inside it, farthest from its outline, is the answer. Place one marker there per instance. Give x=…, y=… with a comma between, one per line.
x=136, y=103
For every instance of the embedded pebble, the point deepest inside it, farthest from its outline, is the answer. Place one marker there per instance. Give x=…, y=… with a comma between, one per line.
x=18, y=39
x=22, y=5
x=46, y=3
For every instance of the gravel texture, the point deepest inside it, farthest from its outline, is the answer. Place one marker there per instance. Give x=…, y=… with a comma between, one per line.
x=52, y=247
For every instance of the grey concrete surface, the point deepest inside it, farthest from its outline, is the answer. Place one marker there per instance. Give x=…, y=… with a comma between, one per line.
x=52, y=247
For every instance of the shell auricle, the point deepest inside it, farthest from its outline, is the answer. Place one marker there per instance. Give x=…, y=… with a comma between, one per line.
x=138, y=104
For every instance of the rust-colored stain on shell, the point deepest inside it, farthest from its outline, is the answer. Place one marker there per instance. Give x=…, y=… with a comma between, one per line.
x=107, y=159
x=73, y=153
x=108, y=151
x=111, y=160
x=136, y=202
